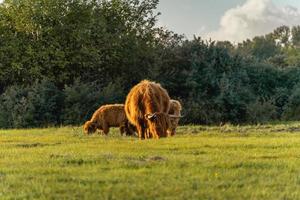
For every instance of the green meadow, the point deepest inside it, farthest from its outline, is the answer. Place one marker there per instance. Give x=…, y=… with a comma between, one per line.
x=200, y=162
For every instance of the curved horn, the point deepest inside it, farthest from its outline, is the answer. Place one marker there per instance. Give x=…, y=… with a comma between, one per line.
x=175, y=116
x=150, y=116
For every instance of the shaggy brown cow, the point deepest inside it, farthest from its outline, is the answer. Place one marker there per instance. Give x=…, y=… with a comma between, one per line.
x=175, y=109
x=108, y=116
x=147, y=106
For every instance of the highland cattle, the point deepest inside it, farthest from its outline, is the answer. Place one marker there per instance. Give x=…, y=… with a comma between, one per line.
x=147, y=106
x=107, y=116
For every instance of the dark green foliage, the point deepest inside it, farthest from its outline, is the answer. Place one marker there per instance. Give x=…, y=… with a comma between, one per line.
x=216, y=87
x=38, y=105
x=66, y=40
x=13, y=107
x=261, y=111
x=292, y=108
x=296, y=36
x=62, y=59
x=45, y=102
x=82, y=99
x=80, y=102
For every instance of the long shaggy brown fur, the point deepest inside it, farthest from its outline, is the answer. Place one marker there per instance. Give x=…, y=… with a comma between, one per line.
x=108, y=116
x=147, y=106
x=175, y=109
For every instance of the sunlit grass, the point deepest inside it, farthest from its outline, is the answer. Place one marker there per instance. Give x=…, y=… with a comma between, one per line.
x=200, y=162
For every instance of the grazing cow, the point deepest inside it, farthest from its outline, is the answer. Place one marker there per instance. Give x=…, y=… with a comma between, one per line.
x=108, y=116
x=147, y=106
x=175, y=109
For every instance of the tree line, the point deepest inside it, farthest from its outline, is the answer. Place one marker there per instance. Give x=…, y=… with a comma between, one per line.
x=61, y=59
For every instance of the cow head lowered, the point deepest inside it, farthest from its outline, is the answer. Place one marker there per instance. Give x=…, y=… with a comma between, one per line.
x=160, y=124
x=175, y=110
x=89, y=127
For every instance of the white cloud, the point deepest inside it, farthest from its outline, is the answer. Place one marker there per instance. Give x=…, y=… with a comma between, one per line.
x=255, y=17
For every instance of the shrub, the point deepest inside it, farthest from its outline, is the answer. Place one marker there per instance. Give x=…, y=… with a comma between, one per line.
x=261, y=111
x=82, y=99
x=35, y=106
x=292, y=108
x=45, y=103
x=13, y=107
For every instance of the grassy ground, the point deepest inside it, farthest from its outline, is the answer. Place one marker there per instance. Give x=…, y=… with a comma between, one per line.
x=229, y=162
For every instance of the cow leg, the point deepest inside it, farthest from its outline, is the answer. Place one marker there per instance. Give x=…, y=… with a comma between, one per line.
x=129, y=129
x=122, y=129
x=147, y=133
x=141, y=129
x=155, y=136
x=105, y=128
x=140, y=132
x=150, y=134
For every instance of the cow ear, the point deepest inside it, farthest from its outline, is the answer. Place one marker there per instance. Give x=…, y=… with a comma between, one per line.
x=150, y=117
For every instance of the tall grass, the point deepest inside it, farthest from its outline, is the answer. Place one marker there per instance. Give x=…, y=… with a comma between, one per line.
x=200, y=162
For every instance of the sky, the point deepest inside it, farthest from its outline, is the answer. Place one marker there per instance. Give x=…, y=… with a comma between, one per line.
x=233, y=20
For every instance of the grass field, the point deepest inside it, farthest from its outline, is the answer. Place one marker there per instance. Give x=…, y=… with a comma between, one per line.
x=200, y=162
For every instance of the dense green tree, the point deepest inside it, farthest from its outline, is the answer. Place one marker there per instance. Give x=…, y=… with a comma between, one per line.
x=281, y=35
x=292, y=108
x=82, y=99
x=62, y=59
x=292, y=56
x=264, y=47
x=13, y=107
x=296, y=36
x=65, y=40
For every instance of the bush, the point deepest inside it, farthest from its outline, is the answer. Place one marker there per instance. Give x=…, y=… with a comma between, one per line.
x=292, y=108
x=45, y=104
x=261, y=111
x=82, y=99
x=35, y=106
x=14, y=107
x=199, y=111
x=281, y=98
